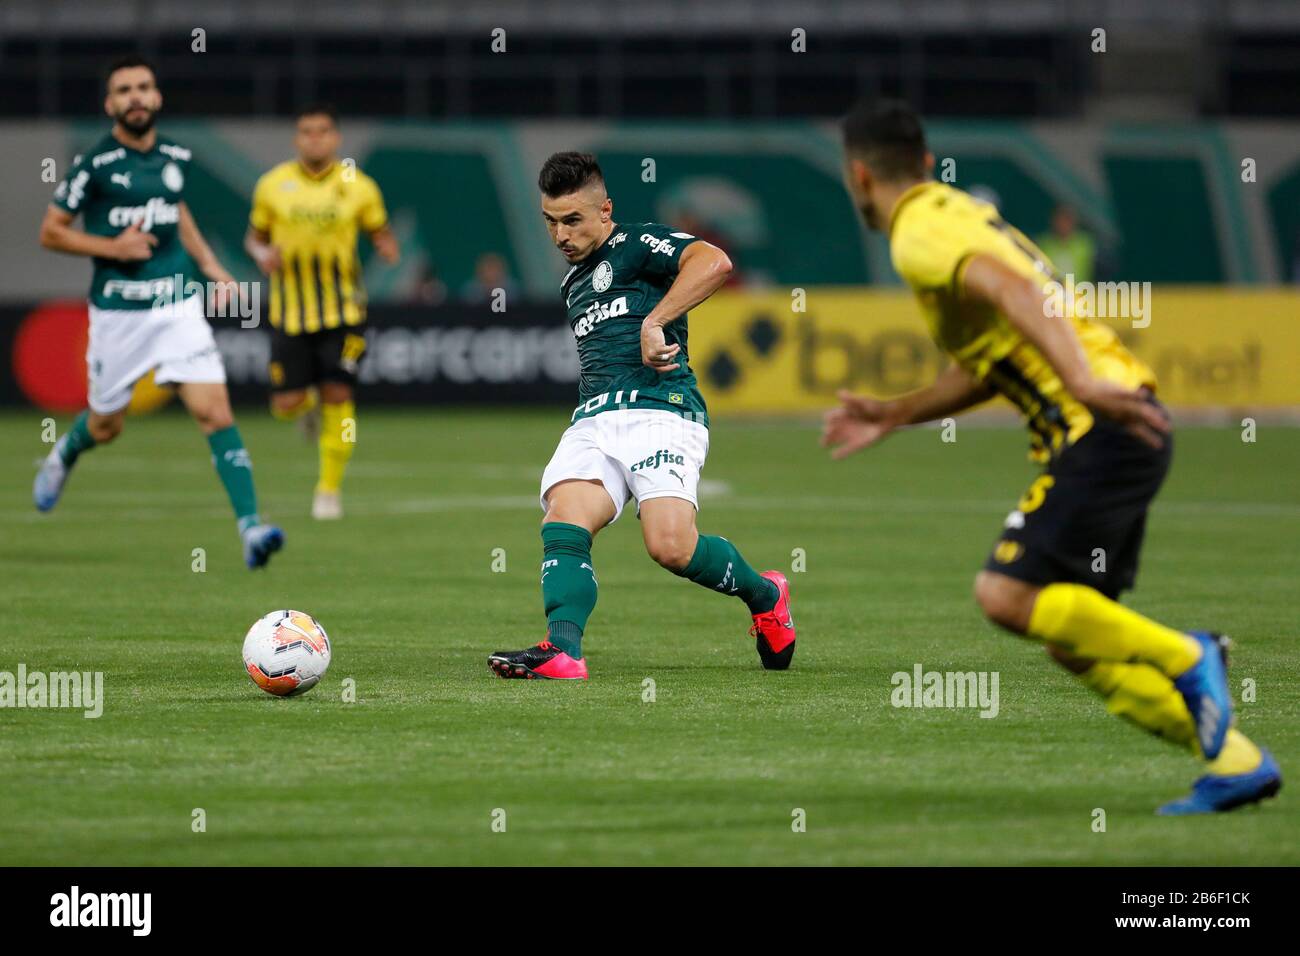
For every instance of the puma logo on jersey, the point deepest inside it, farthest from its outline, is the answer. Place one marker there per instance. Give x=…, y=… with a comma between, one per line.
x=122, y=179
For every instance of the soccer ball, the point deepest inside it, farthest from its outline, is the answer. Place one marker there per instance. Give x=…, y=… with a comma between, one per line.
x=286, y=653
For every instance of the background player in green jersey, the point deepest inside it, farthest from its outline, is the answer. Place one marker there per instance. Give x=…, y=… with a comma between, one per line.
x=129, y=190
x=640, y=429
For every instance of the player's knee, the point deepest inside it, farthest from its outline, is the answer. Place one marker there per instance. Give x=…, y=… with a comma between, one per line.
x=1002, y=601
x=284, y=403
x=213, y=418
x=671, y=550
x=565, y=514
x=334, y=393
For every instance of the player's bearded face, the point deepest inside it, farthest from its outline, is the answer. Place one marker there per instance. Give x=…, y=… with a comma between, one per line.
x=133, y=99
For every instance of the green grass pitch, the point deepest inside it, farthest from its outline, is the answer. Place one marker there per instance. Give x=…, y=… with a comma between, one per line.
x=710, y=772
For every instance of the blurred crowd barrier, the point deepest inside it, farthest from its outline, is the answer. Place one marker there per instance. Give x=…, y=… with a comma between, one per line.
x=753, y=352
x=1173, y=203
x=1210, y=347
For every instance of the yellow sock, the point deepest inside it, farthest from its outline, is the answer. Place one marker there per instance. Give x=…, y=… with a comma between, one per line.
x=338, y=428
x=1239, y=755
x=1086, y=623
x=1141, y=694
x=297, y=411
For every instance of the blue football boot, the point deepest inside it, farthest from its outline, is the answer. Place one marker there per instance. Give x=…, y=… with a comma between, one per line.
x=49, y=481
x=260, y=542
x=1215, y=794
x=1204, y=687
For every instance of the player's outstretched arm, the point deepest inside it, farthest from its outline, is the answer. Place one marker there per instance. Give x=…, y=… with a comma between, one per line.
x=860, y=421
x=702, y=270
x=1022, y=302
x=129, y=245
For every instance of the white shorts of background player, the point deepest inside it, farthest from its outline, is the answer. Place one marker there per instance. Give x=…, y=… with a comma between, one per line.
x=125, y=344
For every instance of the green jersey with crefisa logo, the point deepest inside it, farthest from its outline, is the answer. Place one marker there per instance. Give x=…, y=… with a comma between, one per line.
x=608, y=295
x=112, y=186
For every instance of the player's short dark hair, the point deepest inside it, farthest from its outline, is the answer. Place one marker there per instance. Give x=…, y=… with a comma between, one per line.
x=125, y=62
x=566, y=173
x=319, y=109
x=887, y=136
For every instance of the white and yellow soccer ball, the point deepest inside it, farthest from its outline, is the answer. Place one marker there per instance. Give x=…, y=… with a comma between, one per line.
x=286, y=653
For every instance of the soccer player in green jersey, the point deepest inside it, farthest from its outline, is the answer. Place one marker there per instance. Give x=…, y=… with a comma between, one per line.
x=144, y=243
x=640, y=429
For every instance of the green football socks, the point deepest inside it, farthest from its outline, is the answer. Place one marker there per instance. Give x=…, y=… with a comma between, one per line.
x=568, y=584
x=716, y=564
x=235, y=469
x=75, y=440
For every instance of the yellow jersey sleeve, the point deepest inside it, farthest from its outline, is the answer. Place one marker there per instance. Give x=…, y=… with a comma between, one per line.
x=934, y=232
x=927, y=255
x=263, y=213
x=371, y=214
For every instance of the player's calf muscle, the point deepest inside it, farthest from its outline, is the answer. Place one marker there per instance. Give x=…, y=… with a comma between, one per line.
x=671, y=549
x=668, y=528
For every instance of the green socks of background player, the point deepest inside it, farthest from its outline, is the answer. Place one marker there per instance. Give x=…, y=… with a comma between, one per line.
x=569, y=581
x=75, y=440
x=716, y=564
x=568, y=584
x=235, y=469
x=229, y=456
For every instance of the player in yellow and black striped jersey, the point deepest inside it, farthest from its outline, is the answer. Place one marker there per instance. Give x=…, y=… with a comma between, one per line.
x=302, y=232
x=936, y=232
x=993, y=303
